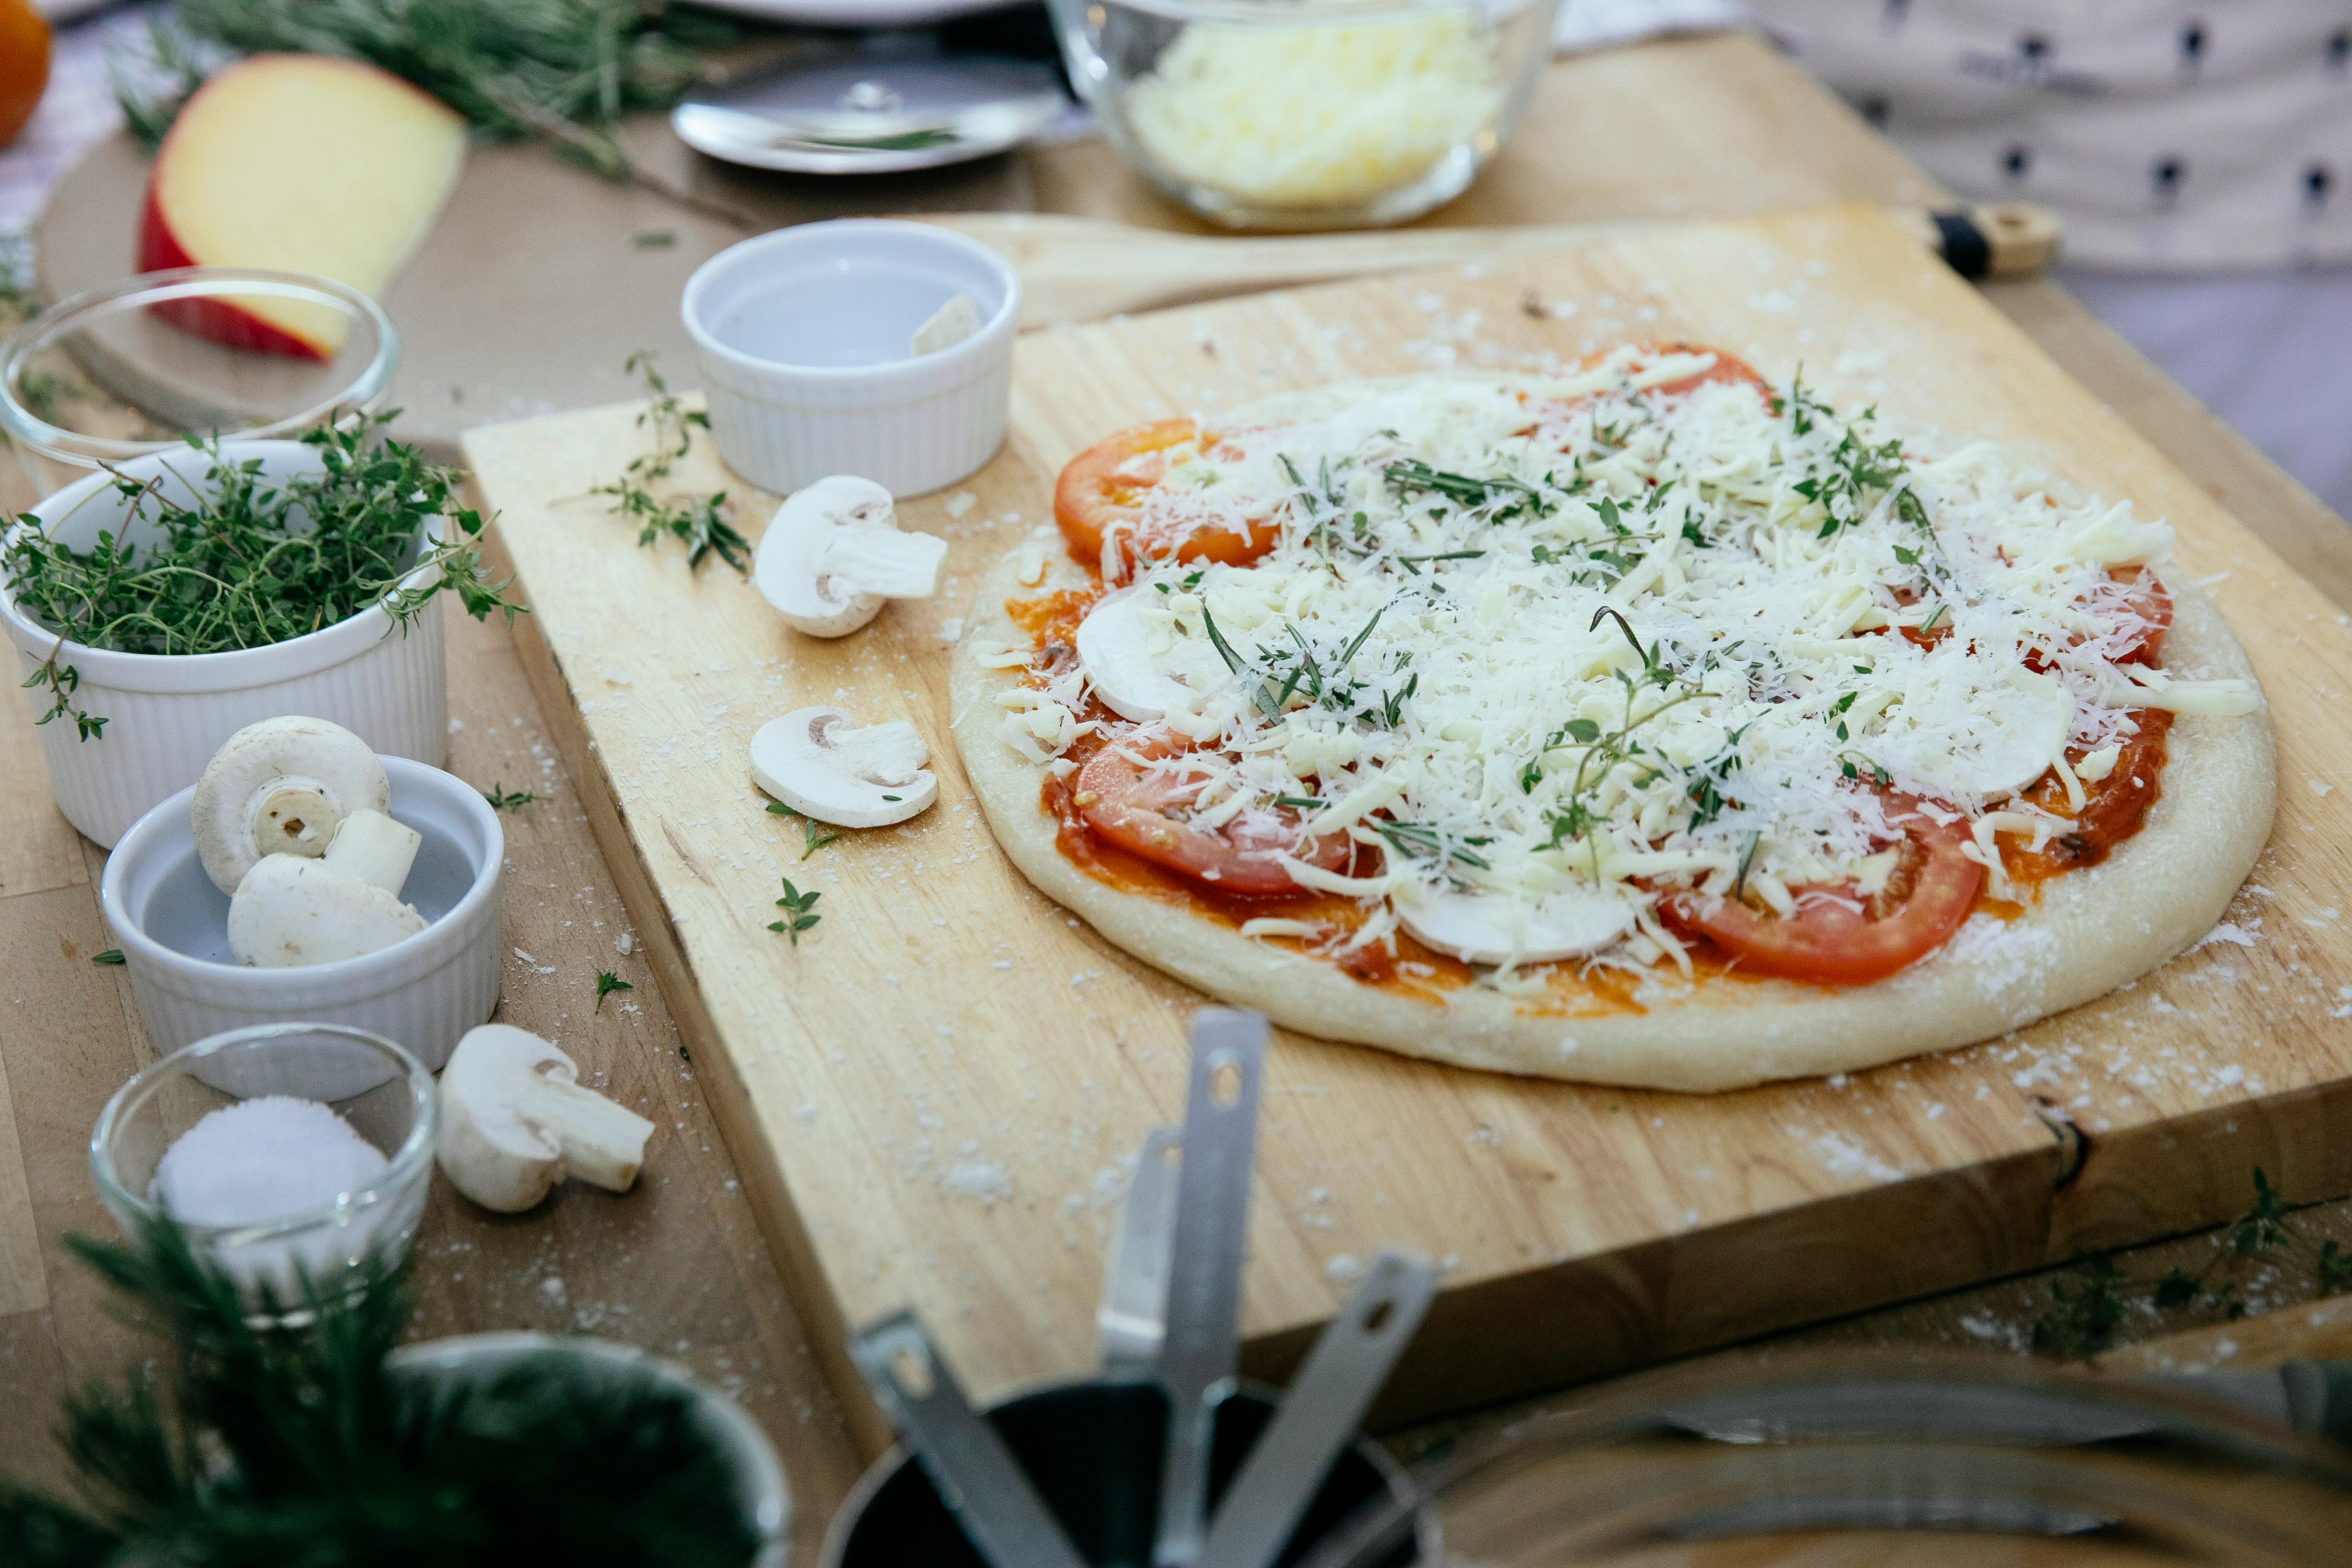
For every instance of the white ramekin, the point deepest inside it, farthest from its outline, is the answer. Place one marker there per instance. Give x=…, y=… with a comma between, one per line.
x=848, y=295
x=423, y=991
x=166, y=714
x=759, y=1484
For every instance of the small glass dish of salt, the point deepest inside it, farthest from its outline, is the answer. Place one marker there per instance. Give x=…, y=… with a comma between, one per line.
x=284, y=1151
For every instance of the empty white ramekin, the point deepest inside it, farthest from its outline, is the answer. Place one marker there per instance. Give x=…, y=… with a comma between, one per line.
x=423, y=991
x=802, y=337
x=166, y=714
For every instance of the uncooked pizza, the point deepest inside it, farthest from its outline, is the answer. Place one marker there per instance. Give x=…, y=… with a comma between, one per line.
x=1650, y=724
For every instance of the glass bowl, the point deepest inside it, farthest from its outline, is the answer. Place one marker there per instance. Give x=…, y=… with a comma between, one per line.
x=382, y=1092
x=1855, y=1457
x=110, y=374
x=1296, y=114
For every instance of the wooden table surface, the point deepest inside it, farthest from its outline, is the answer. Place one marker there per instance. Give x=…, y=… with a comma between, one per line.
x=1706, y=127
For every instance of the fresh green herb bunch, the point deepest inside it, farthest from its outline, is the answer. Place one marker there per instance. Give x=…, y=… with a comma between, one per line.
x=300, y=1447
x=254, y=561
x=566, y=70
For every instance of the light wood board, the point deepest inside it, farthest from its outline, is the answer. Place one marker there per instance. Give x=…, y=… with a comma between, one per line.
x=933, y=1096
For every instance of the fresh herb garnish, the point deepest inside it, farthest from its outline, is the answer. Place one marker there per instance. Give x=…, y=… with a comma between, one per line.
x=254, y=560
x=814, y=836
x=503, y=799
x=698, y=521
x=246, y=1445
x=606, y=983
x=112, y=956
x=798, y=916
x=2085, y=1311
x=1421, y=841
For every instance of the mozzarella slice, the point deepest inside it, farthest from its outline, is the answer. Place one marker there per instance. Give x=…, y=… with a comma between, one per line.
x=2001, y=745
x=1119, y=646
x=1494, y=928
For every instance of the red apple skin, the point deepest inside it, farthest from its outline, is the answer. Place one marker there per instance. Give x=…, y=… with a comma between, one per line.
x=217, y=320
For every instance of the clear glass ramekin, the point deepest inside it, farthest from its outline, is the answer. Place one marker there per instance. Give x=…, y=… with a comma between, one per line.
x=382, y=1092
x=1300, y=114
x=110, y=373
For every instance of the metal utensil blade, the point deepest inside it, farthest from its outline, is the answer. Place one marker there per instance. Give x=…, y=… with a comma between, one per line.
x=976, y=1475
x=1204, y=1276
x=1320, y=1412
x=1131, y=1319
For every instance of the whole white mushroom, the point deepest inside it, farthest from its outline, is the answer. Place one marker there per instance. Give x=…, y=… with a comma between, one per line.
x=515, y=1121
x=281, y=786
x=290, y=913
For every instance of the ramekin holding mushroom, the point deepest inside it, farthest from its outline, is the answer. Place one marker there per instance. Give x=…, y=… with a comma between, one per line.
x=304, y=877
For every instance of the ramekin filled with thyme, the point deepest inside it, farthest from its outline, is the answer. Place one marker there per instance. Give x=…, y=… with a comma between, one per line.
x=158, y=606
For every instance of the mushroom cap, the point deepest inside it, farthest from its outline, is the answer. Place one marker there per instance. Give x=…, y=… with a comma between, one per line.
x=1497, y=928
x=489, y=1151
x=312, y=768
x=290, y=913
x=785, y=566
x=799, y=759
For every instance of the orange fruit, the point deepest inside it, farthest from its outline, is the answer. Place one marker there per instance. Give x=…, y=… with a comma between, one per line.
x=23, y=65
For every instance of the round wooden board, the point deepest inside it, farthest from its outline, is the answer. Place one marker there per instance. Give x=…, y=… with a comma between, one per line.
x=538, y=279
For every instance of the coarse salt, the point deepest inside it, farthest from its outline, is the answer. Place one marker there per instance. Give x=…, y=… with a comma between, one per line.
x=260, y=1159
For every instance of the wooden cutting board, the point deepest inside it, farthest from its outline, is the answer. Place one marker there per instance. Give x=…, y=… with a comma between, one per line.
x=935, y=1094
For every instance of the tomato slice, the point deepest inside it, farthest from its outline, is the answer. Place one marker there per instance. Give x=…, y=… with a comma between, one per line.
x=1130, y=805
x=1830, y=942
x=1729, y=369
x=1104, y=485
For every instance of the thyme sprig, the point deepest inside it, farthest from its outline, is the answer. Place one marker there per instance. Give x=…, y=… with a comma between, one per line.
x=814, y=836
x=606, y=983
x=252, y=560
x=799, y=911
x=504, y=799
x=699, y=522
x=2087, y=1310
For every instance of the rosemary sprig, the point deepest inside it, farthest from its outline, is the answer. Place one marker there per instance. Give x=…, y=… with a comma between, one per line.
x=302, y=1446
x=565, y=72
x=698, y=521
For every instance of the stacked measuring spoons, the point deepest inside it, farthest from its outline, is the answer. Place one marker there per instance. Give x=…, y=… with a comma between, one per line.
x=1133, y=1458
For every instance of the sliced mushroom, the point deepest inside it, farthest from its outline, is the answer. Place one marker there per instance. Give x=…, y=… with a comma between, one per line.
x=1115, y=649
x=949, y=325
x=819, y=762
x=280, y=787
x=1495, y=928
x=2002, y=751
x=788, y=565
x=515, y=1120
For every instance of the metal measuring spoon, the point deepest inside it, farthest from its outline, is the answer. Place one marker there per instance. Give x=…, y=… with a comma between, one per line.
x=1197, y=1354
x=1320, y=1412
x=976, y=1475
x=1132, y=1319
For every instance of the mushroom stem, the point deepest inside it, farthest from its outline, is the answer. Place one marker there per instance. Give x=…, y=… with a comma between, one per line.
x=295, y=818
x=602, y=1143
x=375, y=848
x=884, y=561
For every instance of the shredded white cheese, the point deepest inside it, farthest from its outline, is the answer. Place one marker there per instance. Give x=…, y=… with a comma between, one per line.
x=1534, y=637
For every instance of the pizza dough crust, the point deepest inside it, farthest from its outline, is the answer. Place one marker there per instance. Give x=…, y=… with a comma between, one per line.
x=2090, y=931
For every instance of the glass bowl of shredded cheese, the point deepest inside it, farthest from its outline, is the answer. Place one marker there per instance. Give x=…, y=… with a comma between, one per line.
x=1307, y=113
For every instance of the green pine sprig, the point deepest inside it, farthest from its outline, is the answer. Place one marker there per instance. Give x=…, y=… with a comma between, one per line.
x=302, y=1447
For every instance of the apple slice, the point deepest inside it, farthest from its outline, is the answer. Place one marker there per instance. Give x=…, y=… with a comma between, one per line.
x=298, y=163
